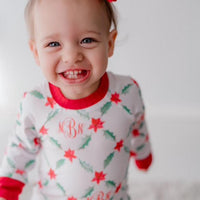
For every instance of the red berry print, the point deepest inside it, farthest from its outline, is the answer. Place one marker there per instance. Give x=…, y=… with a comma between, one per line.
x=20, y=145
x=43, y=131
x=96, y=124
x=37, y=141
x=72, y=198
x=142, y=117
x=70, y=155
x=135, y=133
x=115, y=98
x=147, y=138
x=52, y=174
x=25, y=93
x=21, y=172
x=40, y=184
x=132, y=154
x=118, y=188
x=99, y=176
x=134, y=81
x=50, y=102
x=119, y=145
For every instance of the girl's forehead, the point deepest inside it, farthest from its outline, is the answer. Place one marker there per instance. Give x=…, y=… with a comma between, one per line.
x=85, y=11
x=92, y=8
x=70, y=13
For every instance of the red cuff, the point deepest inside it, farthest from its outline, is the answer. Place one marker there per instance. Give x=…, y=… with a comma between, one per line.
x=145, y=163
x=10, y=189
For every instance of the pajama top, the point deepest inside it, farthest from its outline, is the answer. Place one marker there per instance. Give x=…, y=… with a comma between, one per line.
x=84, y=146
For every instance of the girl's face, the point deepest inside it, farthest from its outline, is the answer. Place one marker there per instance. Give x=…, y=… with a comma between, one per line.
x=72, y=44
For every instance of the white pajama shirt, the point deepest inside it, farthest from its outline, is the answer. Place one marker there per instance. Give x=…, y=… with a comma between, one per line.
x=84, y=146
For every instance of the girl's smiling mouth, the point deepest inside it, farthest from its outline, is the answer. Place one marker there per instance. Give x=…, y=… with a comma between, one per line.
x=75, y=76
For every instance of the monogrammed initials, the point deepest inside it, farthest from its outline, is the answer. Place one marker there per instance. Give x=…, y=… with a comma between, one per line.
x=70, y=128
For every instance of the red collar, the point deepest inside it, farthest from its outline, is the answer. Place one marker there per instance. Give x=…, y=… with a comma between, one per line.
x=77, y=104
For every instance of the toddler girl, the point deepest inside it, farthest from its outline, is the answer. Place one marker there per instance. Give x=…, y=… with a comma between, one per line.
x=83, y=124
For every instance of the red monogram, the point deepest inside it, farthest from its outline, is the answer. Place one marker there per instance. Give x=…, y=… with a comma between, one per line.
x=70, y=128
x=100, y=196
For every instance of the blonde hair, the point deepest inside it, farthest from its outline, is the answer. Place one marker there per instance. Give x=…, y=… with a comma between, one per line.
x=109, y=8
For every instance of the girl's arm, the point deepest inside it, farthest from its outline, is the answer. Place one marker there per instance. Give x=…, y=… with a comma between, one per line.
x=20, y=155
x=141, y=146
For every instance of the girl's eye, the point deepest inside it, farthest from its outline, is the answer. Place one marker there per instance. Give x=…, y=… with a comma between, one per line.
x=87, y=41
x=53, y=44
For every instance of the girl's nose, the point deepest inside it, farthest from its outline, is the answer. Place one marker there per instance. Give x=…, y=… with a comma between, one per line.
x=72, y=55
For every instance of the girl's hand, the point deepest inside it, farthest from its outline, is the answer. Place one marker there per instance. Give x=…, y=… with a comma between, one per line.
x=2, y=198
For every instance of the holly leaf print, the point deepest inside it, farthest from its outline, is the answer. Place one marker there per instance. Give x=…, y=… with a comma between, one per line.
x=18, y=123
x=142, y=135
x=52, y=115
x=130, y=129
x=30, y=163
x=46, y=183
x=127, y=109
x=60, y=187
x=83, y=114
x=9, y=175
x=108, y=160
x=20, y=108
x=126, y=149
x=141, y=125
x=60, y=163
x=11, y=163
x=37, y=94
x=110, y=184
x=88, y=192
x=140, y=147
x=106, y=107
x=109, y=135
x=14, y=145
x=54, y=141
x=86, y=166
x=125, y=90
x=86, y=142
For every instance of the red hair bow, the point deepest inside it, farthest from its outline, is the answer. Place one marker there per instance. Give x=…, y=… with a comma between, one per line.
x=111, y=0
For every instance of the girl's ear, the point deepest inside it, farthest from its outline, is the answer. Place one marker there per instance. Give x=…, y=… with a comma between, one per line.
x=33, y=48
x=111, y=42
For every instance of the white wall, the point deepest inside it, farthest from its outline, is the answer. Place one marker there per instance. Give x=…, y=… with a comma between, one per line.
x=159, y=46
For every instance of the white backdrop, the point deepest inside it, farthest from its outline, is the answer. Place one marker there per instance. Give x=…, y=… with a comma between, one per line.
x=159, y=45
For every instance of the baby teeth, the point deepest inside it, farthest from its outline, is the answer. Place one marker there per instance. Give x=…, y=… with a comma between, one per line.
x=74, y=72
x=72, y=76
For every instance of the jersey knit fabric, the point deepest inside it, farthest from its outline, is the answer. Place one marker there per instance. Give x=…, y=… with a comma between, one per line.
x=84, y=146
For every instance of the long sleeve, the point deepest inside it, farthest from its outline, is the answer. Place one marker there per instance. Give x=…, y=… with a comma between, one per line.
x=20, y=155
x=141, y=147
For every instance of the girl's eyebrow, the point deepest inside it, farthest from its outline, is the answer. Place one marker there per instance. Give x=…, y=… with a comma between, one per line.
x=48, y=37
x=95, y=32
